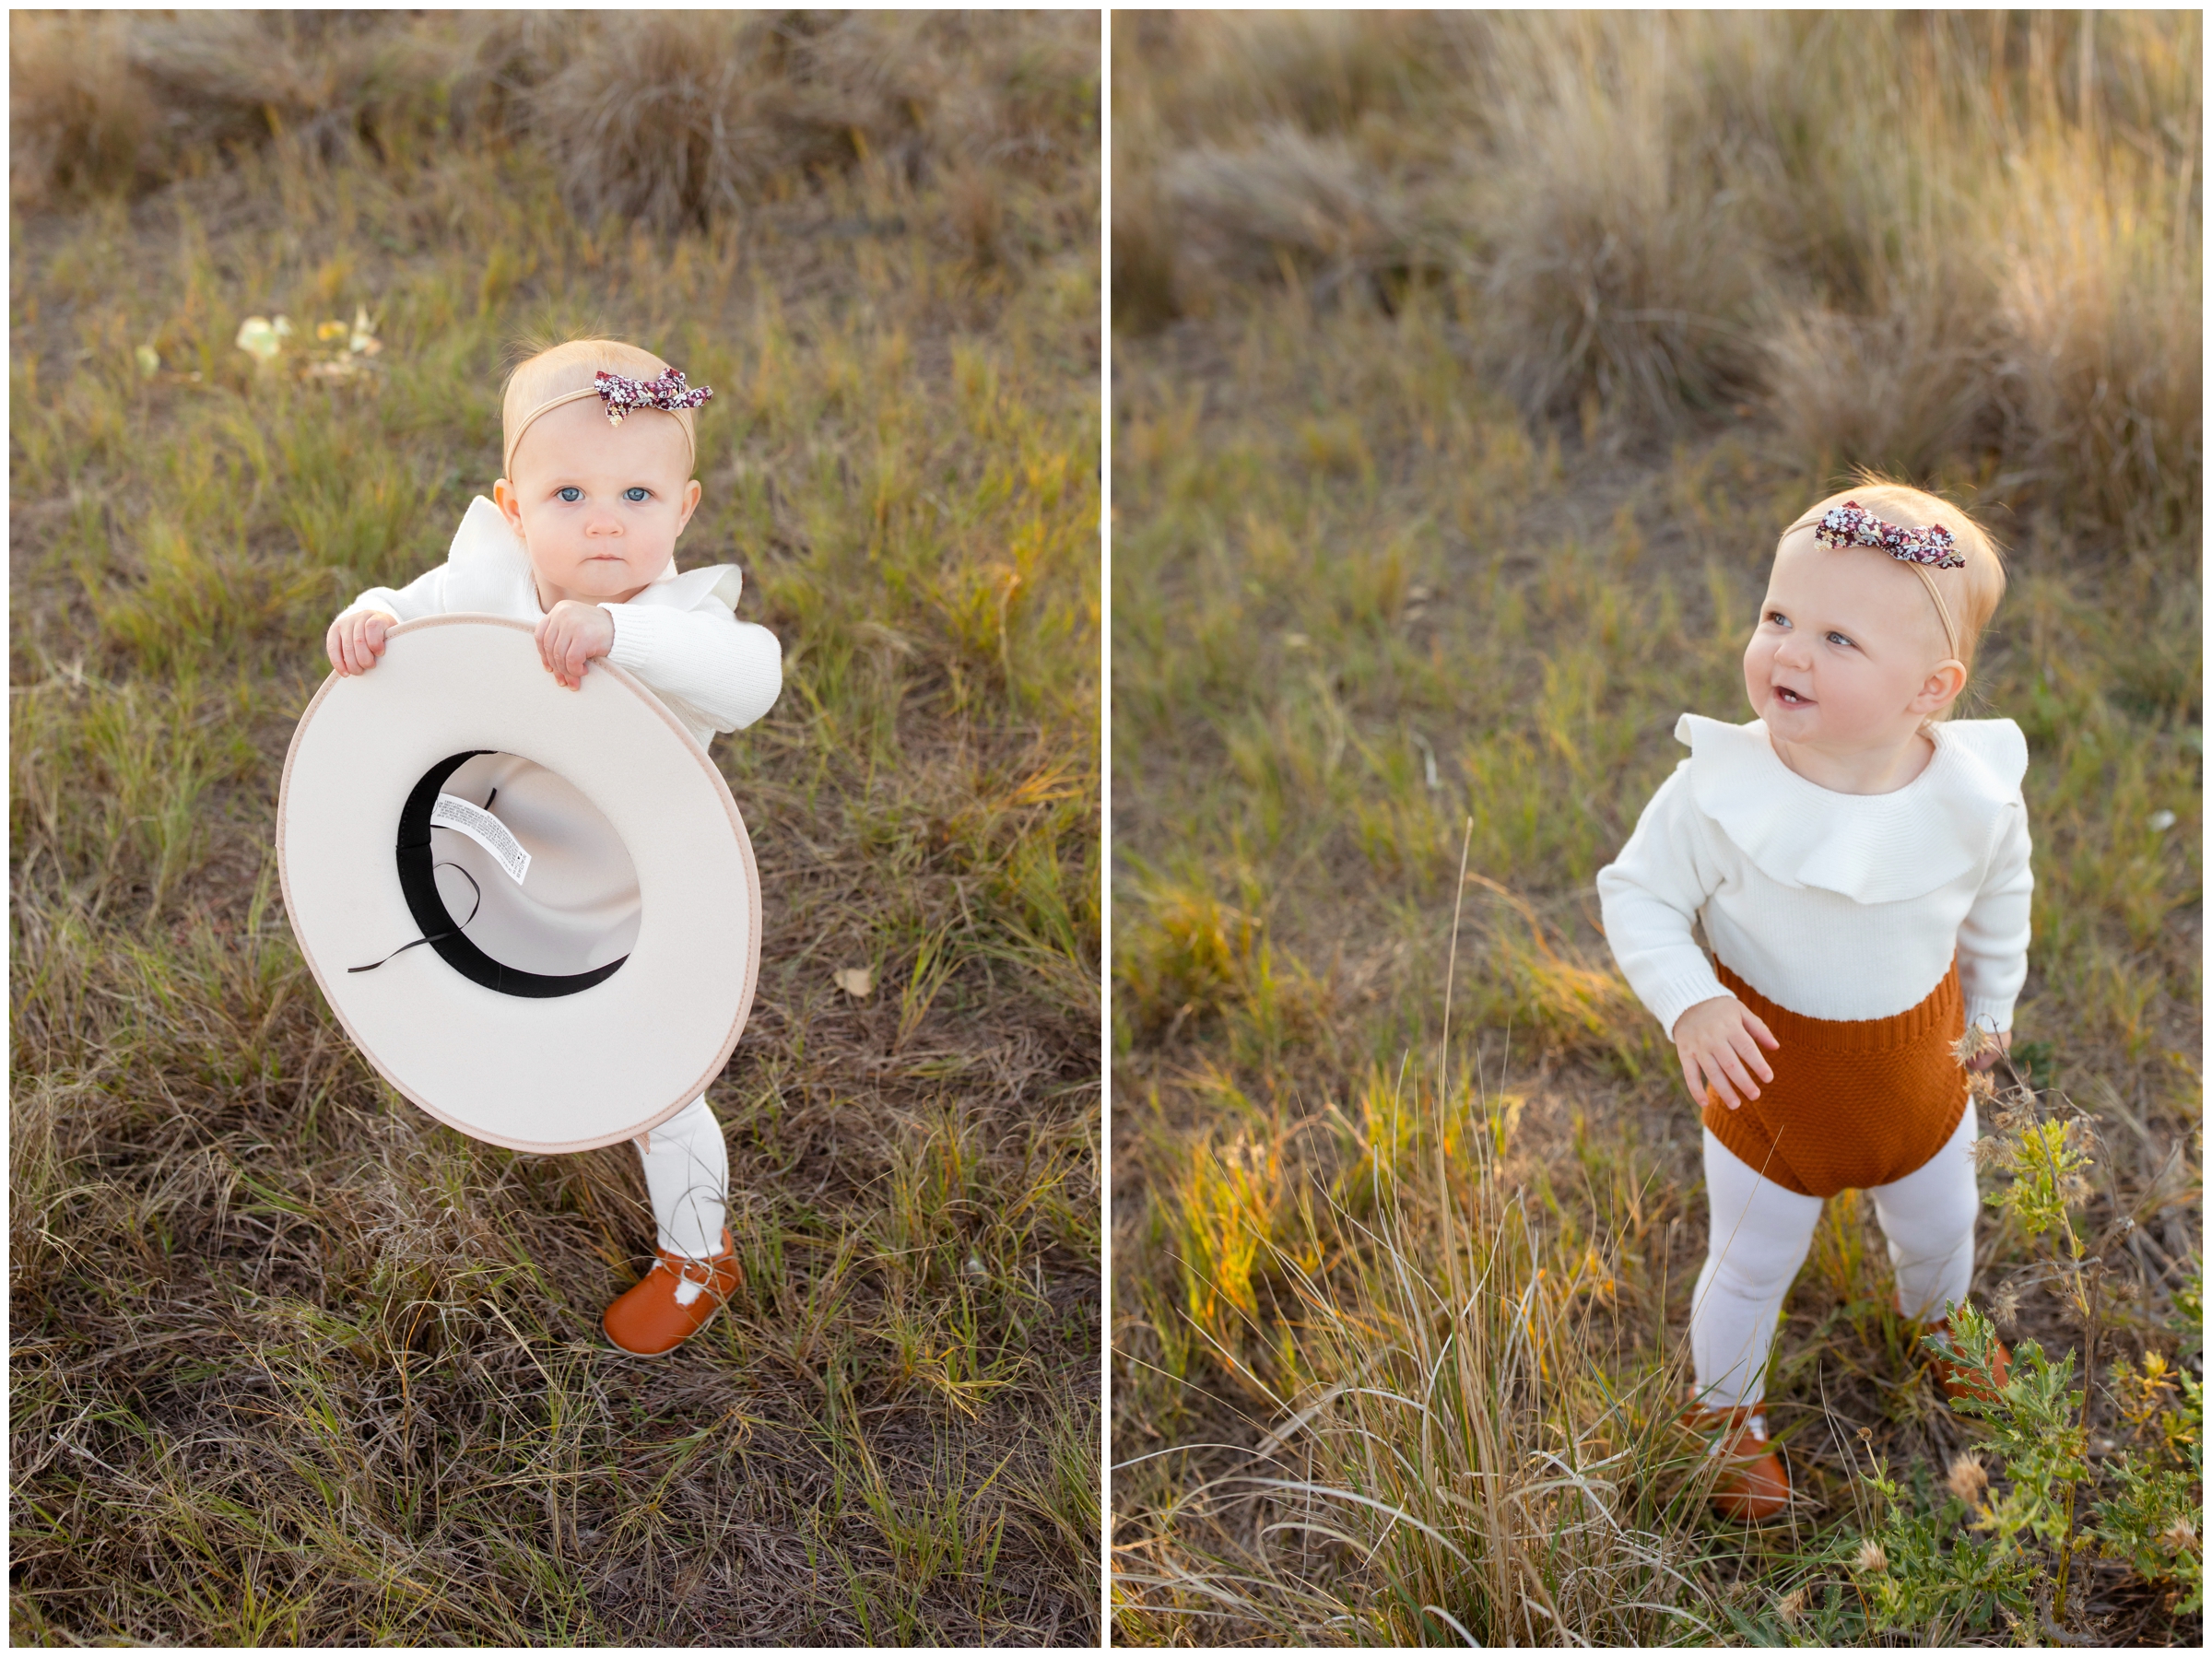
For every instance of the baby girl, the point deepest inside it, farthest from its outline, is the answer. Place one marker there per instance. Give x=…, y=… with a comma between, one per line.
x=598, y=487
x=1860, y=864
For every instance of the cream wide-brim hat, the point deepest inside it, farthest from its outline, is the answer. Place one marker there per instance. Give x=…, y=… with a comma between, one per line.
x=578, y=1006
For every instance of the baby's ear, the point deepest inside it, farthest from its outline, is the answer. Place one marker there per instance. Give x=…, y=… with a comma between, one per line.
x=1941, y=687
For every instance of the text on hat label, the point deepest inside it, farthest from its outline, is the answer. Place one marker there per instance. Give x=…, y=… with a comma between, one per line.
x=453, y=812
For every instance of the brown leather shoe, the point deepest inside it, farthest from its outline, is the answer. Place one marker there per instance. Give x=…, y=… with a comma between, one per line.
x=1956, y=1382
x=672, y=1302
x=1752, y=1485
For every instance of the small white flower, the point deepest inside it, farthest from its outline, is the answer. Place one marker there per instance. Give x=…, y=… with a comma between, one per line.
x=262, y=339
x=2161, y=820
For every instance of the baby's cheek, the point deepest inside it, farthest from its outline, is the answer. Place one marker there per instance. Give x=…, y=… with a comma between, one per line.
x=1756, y=662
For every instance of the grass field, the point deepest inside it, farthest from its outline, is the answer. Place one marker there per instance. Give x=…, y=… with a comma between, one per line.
x=1466, y=370
x=292, y=1363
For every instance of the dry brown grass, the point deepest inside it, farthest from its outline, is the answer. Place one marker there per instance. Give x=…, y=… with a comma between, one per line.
x=1905, y=241
x=1423, y=539
x=675, y=119
x=292, y=1363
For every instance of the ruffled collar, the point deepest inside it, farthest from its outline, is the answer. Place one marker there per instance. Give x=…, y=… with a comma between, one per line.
x=1869, y=848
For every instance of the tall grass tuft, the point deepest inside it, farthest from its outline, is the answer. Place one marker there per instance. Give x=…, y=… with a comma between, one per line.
x=1460, y=1447
x=739, y=106
x=75, y=120
x=1906, y=240
x=672, y=120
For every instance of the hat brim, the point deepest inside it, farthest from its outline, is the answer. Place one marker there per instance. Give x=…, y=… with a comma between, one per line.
x=532, y=1073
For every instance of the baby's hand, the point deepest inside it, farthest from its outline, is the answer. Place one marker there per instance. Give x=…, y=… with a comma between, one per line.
x=357, y=638
x=1718, y=1042
x=1995, y=1045
x=570, y=636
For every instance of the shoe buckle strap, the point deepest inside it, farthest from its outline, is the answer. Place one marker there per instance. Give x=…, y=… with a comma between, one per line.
x=687, y=1288
x=1754, y=1427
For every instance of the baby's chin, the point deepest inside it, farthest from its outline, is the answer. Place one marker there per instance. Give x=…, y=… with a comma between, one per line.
x=599, y=579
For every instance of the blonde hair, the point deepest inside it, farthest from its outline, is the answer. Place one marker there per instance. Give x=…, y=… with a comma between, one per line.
x=1981, y=585
x=552, y=374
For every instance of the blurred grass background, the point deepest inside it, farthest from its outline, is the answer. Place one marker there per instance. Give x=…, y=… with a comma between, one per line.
x=1466, y=367
x=291, y=1364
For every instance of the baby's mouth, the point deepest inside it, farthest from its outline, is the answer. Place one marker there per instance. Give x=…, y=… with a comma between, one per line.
x=1790, y=699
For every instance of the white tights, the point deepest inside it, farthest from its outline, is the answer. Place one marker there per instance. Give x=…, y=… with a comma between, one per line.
x=1761, y=1232
x=688, y=1174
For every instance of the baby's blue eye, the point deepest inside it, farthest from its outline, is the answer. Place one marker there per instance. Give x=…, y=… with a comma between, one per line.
x=1837, y=639
x=570, y=494
x=637, y=492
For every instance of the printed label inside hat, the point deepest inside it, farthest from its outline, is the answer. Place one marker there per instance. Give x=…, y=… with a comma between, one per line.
x=519, y=882
x=487, y=831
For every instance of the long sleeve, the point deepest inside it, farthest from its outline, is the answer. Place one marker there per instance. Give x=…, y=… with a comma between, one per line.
x=486, y=571
x=425, y=596
x=1649, y=896
x=704, y=662
x=1992, y=941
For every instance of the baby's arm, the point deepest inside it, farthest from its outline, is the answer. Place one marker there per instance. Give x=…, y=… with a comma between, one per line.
x=1992, y=941
x=730, y=672
x=1650, y=898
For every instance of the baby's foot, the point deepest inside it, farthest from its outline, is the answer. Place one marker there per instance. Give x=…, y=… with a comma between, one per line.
x=1957, y=1380
x=676, y=1300
x=1752, y=1484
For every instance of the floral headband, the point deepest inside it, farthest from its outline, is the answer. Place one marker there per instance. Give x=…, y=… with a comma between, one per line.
x=1851, y=525
x=621, y=393
x=1918, y=549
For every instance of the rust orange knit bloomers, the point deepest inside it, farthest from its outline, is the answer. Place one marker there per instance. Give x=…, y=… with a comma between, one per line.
x=1855, y=1103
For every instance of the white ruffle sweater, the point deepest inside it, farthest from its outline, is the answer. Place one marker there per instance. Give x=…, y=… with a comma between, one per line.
x=680, y=635
x=1832, y=905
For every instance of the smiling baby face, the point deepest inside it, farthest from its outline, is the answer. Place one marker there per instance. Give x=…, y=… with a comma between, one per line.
x=1849, y=652
x=599, y=507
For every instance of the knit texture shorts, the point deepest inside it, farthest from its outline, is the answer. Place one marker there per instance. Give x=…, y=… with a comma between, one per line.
x=1855, y=1103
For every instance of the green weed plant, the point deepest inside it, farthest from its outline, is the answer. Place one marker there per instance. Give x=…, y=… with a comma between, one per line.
x=2015, y=1558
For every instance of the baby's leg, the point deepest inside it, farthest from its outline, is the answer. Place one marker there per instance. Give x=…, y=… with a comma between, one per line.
x=688, y=1171
x=1760, y=1233
x=1928, y=1218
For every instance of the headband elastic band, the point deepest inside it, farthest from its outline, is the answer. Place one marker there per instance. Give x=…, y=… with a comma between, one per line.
x=622, y=394
x=1943, y=611
x=514, y=443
